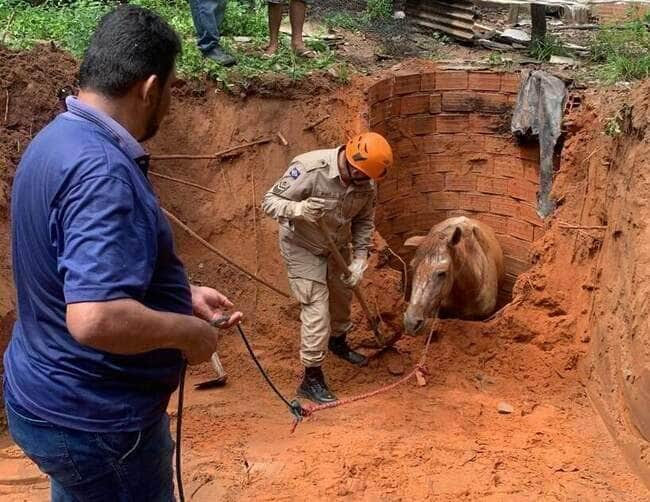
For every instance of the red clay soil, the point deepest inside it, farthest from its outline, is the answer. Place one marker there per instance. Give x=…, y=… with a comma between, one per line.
x=442, y=441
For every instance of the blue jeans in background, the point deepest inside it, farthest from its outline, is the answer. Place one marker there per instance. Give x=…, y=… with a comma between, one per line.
x=208, y=16
x=98, y=467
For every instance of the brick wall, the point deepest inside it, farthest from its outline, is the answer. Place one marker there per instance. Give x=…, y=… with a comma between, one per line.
x=455, y=156
x=612, y=13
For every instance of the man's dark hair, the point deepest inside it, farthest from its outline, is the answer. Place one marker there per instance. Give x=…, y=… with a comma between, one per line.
x=129, y=45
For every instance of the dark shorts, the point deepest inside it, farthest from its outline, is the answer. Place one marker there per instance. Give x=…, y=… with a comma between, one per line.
x=111, y=467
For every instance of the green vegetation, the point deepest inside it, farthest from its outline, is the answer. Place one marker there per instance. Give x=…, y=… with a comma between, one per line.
x=71, y=23
x=496, y=59
x=346, y=20
x=378, y=10
x=620, y=122
x=622, y=51
x=613, y=126
x=543, y=49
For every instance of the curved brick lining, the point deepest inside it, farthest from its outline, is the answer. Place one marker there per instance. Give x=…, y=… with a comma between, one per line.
x=454, y=155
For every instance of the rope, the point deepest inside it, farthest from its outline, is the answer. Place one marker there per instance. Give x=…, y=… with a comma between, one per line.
x=309, y=409
x=294, y=405
x=205, y=243
x=299, y=411
x=179, y=428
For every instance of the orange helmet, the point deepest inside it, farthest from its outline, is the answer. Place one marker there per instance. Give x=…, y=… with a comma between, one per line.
x=370, y=153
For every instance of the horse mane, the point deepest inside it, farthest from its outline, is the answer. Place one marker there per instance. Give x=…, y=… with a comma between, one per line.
x=437, y=237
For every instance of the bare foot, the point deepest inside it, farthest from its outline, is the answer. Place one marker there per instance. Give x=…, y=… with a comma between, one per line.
x=271, y=49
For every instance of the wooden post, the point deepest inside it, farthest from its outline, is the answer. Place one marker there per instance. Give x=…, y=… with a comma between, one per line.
x=538, y=18
x=513, y=15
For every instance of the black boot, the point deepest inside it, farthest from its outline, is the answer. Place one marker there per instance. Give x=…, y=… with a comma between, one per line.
x=219, y=56
x=339, y=346
x=313, y=387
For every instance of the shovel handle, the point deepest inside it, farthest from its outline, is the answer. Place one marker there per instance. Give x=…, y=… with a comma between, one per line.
x=338, y=257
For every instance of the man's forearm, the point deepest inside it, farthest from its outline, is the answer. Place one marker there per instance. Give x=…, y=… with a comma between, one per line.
x=127, y=327
x=277, y=207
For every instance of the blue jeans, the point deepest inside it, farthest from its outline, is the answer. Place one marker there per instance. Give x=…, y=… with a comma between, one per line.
x=208, y=16
x=98, y=467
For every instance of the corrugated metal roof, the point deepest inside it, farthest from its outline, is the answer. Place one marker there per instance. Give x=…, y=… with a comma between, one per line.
x=452, y=17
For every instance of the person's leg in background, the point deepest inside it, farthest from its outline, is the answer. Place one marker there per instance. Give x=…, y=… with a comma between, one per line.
x=297, y=9
x=208, y=17
x=275, y=20
x=102, y=467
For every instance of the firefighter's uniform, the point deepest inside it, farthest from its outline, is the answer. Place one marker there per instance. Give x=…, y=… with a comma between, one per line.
x=314, y=278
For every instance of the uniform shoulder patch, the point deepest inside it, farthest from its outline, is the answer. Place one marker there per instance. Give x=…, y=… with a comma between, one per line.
x=281, y=187
x=294, y=173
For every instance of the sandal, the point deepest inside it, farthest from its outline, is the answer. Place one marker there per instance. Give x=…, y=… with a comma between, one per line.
x=305, y=53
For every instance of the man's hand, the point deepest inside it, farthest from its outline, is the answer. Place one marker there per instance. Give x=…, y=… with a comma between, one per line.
x=200, y=342
x=356, y=270
x=311, y=209
x=208, y=304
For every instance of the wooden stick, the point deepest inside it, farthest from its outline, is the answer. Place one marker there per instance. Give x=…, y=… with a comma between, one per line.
x=222, y=153
x=582, y=227
x=338, y=258
x=315, y=123
x=6, y=105
x=182, y=182
x=576, y=27
x=257, y=244
x=205, y=243
x=283, y=140
x=8, y=27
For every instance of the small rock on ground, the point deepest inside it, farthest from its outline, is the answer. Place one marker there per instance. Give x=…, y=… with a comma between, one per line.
x=505, y=408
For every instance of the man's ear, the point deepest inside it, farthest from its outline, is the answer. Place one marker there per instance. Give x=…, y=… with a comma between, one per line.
x=150, y=90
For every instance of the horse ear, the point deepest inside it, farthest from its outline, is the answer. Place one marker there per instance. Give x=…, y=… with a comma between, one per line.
x=414, y=242
x=455, y=238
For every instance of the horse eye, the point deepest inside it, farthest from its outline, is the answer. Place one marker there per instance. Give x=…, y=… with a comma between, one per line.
x=442, y=273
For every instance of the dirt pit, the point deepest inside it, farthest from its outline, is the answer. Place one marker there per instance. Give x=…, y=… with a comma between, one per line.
x=550, y=353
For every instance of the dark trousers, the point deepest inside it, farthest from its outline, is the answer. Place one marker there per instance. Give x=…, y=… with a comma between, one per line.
x=208, y=16
x=98, y=467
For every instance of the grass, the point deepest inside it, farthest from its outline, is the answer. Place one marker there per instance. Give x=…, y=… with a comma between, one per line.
x=543, y=49
x=497, y=59
x=346, y=20
x=376, y=12
x=622, y=51
x=70, y=24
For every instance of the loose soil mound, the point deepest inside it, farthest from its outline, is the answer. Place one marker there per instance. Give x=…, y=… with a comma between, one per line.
x=444, y=441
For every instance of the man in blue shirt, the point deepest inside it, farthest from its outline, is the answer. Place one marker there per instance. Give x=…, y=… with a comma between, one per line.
x=105, y=310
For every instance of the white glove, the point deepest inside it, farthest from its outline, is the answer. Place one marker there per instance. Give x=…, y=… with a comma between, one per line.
x=356, y=270
x=311, y=209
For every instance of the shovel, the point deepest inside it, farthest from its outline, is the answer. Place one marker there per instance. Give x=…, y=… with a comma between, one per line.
x=374, y=321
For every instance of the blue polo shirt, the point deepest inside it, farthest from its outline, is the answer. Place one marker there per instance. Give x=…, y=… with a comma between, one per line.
x=87, y=227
